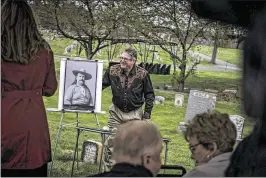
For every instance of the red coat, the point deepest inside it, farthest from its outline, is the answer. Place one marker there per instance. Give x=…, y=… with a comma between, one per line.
x=24, y=128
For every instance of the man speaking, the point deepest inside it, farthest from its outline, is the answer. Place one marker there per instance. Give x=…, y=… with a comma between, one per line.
x=131, y=88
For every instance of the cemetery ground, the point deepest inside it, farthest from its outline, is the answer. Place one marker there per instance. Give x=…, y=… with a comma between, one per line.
x=166, y=117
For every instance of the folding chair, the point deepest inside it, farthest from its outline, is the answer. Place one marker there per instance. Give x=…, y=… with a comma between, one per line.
x=179, y=169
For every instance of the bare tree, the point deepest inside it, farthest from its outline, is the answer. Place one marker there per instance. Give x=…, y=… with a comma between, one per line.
x=90, y=22
x=175, y=19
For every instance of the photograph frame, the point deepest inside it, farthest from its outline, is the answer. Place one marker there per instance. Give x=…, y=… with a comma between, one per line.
x=97, y=84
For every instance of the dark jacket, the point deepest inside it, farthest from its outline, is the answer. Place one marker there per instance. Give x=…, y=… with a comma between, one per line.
x=126, y=170
x=130, y=92
x=24, y=129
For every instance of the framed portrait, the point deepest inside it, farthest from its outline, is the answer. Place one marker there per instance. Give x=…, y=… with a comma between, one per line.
x=80, y=85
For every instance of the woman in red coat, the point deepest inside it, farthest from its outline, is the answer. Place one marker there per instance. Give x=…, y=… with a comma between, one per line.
x=28, y=73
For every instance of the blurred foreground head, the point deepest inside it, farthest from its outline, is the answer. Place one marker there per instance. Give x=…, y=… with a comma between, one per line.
x=252, y=16
x=249, y=158
x=140, y=143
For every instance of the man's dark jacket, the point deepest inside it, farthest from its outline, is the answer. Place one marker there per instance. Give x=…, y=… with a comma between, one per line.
x=126, y=170
x=130, y=92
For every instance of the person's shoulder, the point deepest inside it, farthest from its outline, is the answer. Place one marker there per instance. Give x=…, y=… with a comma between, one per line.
x=141, y=71
x=196, y=172
x=115, y=69
x=115, y=66
x=45, y=52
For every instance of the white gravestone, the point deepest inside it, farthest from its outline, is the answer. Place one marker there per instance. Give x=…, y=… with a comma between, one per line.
x=199, y=102
x=159, y=100
x=179, y=100
x=239, y=123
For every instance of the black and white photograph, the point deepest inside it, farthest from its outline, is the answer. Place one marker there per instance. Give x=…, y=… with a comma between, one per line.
x=80, y=85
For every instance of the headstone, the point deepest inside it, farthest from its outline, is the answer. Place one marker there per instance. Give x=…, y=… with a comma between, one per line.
x=199, y=102
x=149, y=67
x=181, y=127
x=168, y=70
x=239, y=123
x=158, y=68
x=68, y=49
x=230, y=91
x=179, y=100
x=141, y=65
x=211, y=91
x=159, y=100
x=162, y=69
x=152, y=69
x=168, y=87
x=91, y=151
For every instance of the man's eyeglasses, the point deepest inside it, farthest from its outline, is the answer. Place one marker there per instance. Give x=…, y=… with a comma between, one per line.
x=124, y=58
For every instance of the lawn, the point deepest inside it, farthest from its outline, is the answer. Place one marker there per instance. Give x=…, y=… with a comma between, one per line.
x=232, y=56
x=166, y=116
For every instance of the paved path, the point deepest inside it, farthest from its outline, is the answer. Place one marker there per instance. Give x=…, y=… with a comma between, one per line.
x=219, y=66
x=218, y=61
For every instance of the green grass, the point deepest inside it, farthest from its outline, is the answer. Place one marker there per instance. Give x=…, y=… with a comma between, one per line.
x=204, y=80
x=166, y=116
x=226, y=54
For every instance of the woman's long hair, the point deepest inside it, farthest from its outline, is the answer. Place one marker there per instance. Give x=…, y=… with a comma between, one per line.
x=20, y=38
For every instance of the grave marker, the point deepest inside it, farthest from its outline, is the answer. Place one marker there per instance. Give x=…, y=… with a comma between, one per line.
x=199, y=102
x=91, y=151
x=179, y=100
x=239, y=123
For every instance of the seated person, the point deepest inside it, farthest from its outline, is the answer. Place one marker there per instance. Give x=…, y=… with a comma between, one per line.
x=211, y=138
x=136, y=150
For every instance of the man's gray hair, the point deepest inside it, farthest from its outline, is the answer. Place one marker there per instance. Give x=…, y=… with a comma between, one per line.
x=135, y=139
x=132, y=52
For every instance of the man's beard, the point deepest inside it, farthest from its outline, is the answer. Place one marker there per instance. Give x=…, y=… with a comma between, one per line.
x=80, y=82
x=124, y=66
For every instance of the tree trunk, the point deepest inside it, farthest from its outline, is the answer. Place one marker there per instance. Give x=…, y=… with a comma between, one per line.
x=153, y=55
x=214, y=52
x=181, y=86
x=181, y=80
x=174, y=63
x=89, y=50
x=79, y=50
x=215, y=47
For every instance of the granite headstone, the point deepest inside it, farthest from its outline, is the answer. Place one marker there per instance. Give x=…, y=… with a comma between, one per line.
x=199, y=102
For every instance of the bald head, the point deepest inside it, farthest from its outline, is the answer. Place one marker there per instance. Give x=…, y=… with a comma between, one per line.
x=135, y=139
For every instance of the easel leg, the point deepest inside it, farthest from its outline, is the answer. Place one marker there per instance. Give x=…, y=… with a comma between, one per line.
x=166, y=155
x=56, y=141
x=97, y=120
x=101, y=160
x=77, y=118
x=76, y=148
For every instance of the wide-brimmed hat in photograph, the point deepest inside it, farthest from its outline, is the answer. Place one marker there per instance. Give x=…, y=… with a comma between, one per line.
x=82, y=71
